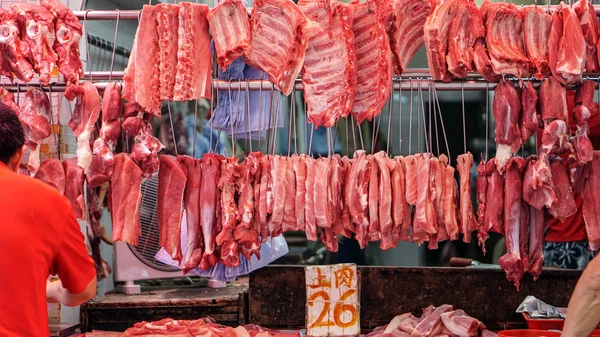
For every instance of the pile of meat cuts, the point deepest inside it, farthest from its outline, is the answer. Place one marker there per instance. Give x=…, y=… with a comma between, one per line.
x=200, y=327
x=25, y=44
x=442, y=321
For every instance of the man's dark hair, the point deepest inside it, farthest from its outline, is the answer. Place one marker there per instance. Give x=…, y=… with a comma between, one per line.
x=12, y=137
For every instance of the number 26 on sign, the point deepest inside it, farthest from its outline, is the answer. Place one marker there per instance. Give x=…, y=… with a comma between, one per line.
x=332, y=307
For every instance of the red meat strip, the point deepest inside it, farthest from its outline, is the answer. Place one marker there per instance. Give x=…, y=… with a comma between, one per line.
x=494, y=206
x=468, y=224
x=265, y=191
x=591, y=32
x=83, y=119
x=400, y=208
x=103, y=159
x=507, y=113
x=512, y=261
x=191, y=197
x=406, y=34
x=481, y=190
x=194, y=65
x=504, y=37
x=553, y=100
x=357, y=196
x=347, y=225
x=536, y=30
x=299, y=163
x=585, y=95
x=311, y=221
x=229, y=210
x=126, y=199
x=465, y=29
x=145, y=150
x=141, y=76
x=564, y=205
x=13, y=59
x=529, y=121
x=581, y=143
x=171, y=187
x=482, y=61
x=449, y=204
x=329, y=82
x=373, y=61
x=52, y=173
x=66, y=45
x=591, y=201
x=459, y=323
x=230, y=29
x=374, y=224
x=279, y=174
x=35, y=114
x=436, y=30
x=280, y=33
x=321, y=203
x=386, y=165
x=567, y=45
x=289, y=212
x=424, y=222
x=209, y=196
x=410, y=164
x=335, y=197
x=247, y=232
x=167, y=19
x=36, y=24
x=538, y=193
x=437, y=183
x=329, y=239
x=431, y=322
x=536, y=241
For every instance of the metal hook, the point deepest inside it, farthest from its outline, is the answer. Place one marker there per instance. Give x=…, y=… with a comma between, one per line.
x=87, y=45
x=112, y=61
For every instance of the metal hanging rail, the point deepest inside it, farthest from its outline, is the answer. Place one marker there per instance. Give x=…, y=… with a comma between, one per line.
x=134, y=14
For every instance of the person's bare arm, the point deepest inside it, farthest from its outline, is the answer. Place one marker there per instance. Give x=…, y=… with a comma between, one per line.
x=583, y=313
x=55, y=292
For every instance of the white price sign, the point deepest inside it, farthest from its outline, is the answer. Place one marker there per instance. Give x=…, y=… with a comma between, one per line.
x=332, y=301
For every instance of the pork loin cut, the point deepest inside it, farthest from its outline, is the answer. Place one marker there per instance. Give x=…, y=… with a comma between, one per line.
x=191, y=197
x=468, y=223
x=373, y=61
x=536, y=29
x=406, y=33
x=436, y=30
x=171, y=187
x=126, y=199
x=507, y=113
x=280, y=33
x=209, y=198
x=230, y=30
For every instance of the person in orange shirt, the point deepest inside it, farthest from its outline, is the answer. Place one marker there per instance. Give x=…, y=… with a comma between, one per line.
x=39, y=237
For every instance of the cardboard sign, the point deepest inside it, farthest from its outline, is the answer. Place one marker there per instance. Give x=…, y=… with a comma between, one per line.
x=332, y=301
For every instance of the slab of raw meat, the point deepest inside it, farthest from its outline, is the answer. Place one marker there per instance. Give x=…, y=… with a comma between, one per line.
x=280, y=33
x=465, y=29
x=347, y=226
x=66, y=45
x=167, y=19
x=468, y=224
x=279, y=175
x=265, y=190
x=112, y=111
x=374, y=225
x=335, y=190
x=449, y=204
x=406, y=33
x=321, y=185
x=436, y=32
x=591, y=201
x=529, y=121
x=13, y=60
x=36, y=25
x=564, y=206
x=585, y=95
x=438, y=185
x=52, y=173
x=229, y=210
x=553, y=100
x=591, y=30
x=74, y=178
x=482, y=61
x=424, y=219
x=83, y=118
x=401, y=213
x=329, y=81
x=145, y=150
x=299, y=163
x=431, y=322
x=410, y=163
x=481, y=190
x=504, y=37
x=246, y=234
x=461, y=324
x=581, y=143
x=538, y=192
x=126, y=198
x=373, y=61
x=494, y=206
x=357, y=196
x=567, y=45
x=536, y=30
x=289, y=212
x=512, y=261
x=191, y=198
x=311, y=221
x=507, y=113
x=536, y=242
x=209, y=195
x=171, y=186
x=35, y=114
x=230, y=30
x=385, y=197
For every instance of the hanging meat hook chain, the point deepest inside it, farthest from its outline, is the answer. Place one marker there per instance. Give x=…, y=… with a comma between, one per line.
x=462, y=99
x=112, y=61
x=410, y=116
x=390, y=121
